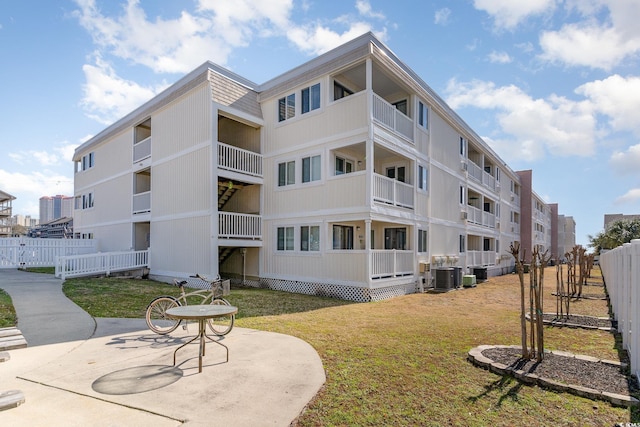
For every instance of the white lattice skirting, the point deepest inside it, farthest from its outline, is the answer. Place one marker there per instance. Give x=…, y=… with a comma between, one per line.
x=338, y=291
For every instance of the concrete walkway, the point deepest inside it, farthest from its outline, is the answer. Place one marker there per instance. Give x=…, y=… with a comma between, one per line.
x=79, y=371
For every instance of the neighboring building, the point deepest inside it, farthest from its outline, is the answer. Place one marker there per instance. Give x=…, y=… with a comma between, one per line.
x=346, y=176
x=61, y=228
x=566, y=234
x=52, y=208
x=5, y=213
x=25, y=220
x=609, y=218
x=539, y=220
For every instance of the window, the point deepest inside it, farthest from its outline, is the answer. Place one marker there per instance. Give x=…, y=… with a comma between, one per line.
x=311, y=169
x=401, y=106
x=422, y=178
x=286, y=107
x=423, y=115
x=78, y=202
x=340, y=91
x=423, y=242
x=396, y=173
x=342, y=237
x=87, y=201
x=343, y=166
x=285, y=238
x=87, y=162
x=462, y=195
x=310, y=238
x=463, y=147
x=286, y=173
x=311, y=98
x=395, y=238
x=463, y=243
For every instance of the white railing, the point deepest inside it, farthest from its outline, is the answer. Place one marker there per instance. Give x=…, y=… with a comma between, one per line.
x=474, y=215
x=142, y=202
x=142, y=150
x=621, y=273
x=488, y=219
x=391, y=117
x=100, y=263
x=232, y=225
x=474, y=171
x=22, y=252
x=392, y=191
x=391, y=263
x=238, y=160
x=488, y=180
x=481, y=258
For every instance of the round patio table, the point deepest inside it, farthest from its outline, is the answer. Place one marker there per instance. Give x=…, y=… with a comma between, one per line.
x=201, y=313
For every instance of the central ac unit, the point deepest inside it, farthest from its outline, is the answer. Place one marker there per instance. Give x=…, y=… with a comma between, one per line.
x=464, y=215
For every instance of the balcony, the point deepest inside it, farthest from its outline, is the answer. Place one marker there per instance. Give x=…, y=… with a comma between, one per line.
x=391, y=263
x=481, y=258
x=142, y=203
x=238, y=160
x=390, y=117
x=142, y=150
x=480, y=217
x=233, y=225
x=392, y=192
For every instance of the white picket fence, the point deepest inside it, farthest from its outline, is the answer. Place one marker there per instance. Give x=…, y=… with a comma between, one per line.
x=100, y=263
x=22, y=252
x=621, y=272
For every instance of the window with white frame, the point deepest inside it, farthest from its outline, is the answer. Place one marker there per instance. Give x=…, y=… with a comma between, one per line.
x=423, y=241
x=78, y=202
x=463, y=147
x=462, y=194
x=87, y=201
x=395, y=238
x=343, y=166
x=286, y=173
x=310, y=98
x=423, y=115
x=285, y=238
x=340, y=91
x=463, y=243
x=310, y=238
x=311, y=169
x=286, y=107
x=402, y=106
x=87, y=162
x=342, y=237
x=423, y=178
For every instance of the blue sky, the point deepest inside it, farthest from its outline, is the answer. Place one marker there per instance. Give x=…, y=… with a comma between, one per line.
x=551, y=85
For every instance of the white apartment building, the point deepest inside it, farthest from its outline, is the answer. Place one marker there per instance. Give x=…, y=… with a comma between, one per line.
x=347, y=176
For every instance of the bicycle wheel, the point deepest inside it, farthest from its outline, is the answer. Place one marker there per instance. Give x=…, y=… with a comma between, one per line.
x=221, y=325
x=156, y=315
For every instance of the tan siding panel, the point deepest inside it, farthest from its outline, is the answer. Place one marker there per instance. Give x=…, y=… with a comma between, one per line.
x=181, y=125
x=182, y=245
x=182, y=185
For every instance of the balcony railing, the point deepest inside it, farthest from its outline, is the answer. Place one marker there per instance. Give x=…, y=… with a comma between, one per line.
x=391, y=117
x=232, y=225
x=481, y=258
x=142, y=150
x=475, y=171
x=480, y=217
x=391, y=263
x=238, y=160
x=392, y=191
x=142, y=202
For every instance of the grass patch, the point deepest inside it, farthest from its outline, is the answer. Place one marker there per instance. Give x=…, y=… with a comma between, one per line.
x=7, y=313
x=403, y=361
x=43, y=270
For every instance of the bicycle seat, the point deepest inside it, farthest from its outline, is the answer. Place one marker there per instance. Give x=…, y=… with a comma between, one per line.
x=180, y=282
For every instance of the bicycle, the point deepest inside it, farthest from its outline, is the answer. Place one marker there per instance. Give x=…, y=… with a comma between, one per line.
x=160, y=323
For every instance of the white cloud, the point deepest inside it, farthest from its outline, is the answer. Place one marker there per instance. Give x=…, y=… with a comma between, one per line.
x=29, y=187
x=530, y=127
x=499, y=57
x=618, y=98
x=600, y=40
x=442, y=16
x=626, y=162
x=364, y=8
x=317, y=39
x=57, y=156
x=108, y=97
x=631, y=196
x=508, y=14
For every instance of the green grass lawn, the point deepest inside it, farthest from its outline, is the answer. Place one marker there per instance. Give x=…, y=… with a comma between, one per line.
x=402, y=361
x=7, y=313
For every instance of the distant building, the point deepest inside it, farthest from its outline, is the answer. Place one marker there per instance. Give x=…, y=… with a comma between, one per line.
x=609, y=218
x=566, y=234
x=24, y=220
x=5, y=213
x=52, y=208
x=61, y=228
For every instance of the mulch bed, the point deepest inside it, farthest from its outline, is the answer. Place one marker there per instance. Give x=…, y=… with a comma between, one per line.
x=585, y=296
x=569, y=370
x=579, y=320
